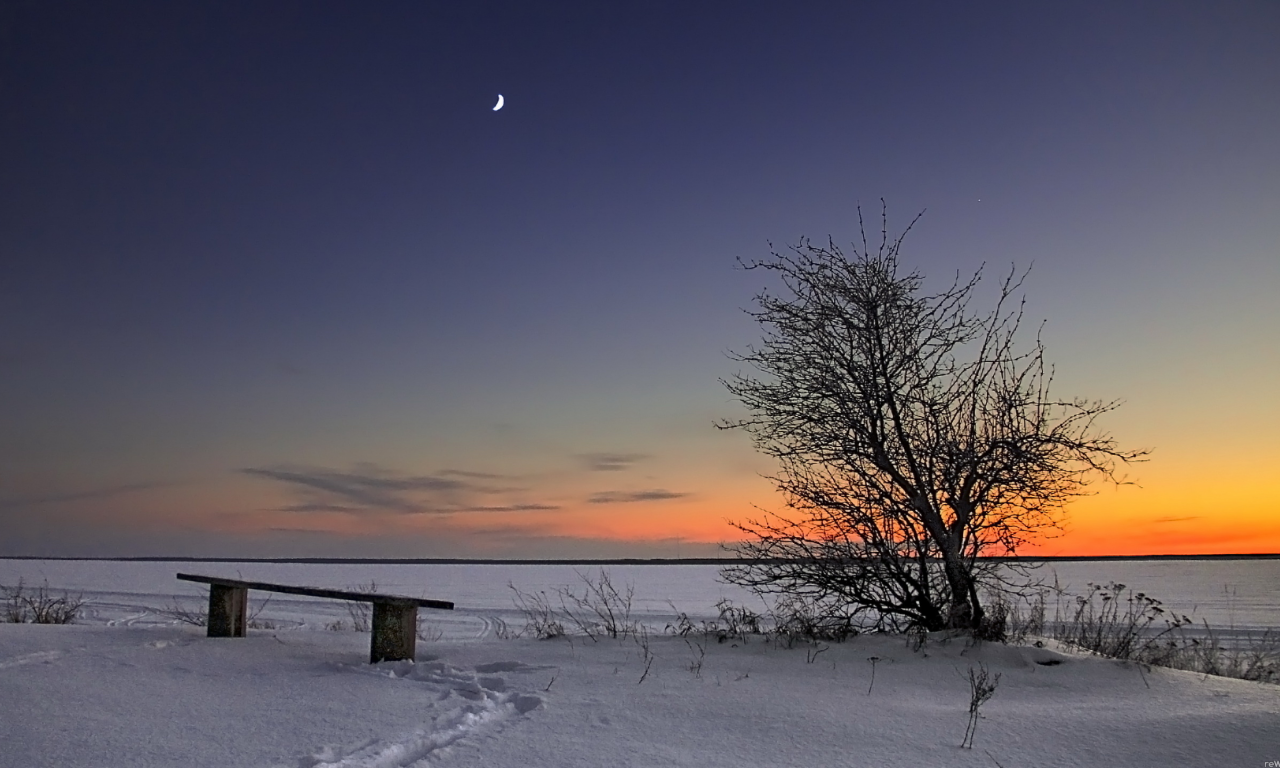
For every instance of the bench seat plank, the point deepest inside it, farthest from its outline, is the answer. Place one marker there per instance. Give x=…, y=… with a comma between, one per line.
x=333, y=594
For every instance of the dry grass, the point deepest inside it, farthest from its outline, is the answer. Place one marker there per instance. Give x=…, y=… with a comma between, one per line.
x=1113, y=620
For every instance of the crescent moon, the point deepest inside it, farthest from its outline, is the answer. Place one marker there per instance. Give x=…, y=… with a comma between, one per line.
x=498, y=106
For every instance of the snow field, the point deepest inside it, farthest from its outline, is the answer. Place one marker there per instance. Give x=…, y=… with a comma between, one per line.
x=131, y=686
x=167, y=696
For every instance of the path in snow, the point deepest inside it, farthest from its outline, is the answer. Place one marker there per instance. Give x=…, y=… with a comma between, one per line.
x=476, y=701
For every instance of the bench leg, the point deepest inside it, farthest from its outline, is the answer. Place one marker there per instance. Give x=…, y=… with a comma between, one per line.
x=227, y=610
x=395, y=632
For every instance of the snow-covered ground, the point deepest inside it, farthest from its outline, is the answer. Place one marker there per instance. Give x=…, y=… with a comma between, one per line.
x=131, y=687
x=167, y=696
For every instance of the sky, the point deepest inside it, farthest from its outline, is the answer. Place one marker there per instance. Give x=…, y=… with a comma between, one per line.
x=277, y=281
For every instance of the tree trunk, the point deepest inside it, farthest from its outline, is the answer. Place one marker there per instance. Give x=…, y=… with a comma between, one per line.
x=965, y=612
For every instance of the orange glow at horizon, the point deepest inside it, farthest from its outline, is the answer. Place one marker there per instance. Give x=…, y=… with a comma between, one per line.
x=1091, y=527
x=1170, y=513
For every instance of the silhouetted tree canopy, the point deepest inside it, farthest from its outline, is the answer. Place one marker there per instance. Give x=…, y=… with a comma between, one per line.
x=914, y=437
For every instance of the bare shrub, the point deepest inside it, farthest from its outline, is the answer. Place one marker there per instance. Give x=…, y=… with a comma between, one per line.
x=994, y=625
x=685, y=626
x=1024, y=618
x=732, y=623
x=982, y=686
x=601, y=609
x=698, y=647
x=175, y=611
x=199, y=616
x=541, y=620
x=503, y=631
x=360, y=612
x=799, y=619
x=641, y=636
x=792, y=620
x=23, y=605
x=427, y=632
x=1013, y=614
x=256, y=623
x=738, y=621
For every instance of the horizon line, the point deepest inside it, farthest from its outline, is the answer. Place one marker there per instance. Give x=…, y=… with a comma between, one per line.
x=590, y=561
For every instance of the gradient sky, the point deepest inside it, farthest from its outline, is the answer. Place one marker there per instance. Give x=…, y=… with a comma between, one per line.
x=275, y=280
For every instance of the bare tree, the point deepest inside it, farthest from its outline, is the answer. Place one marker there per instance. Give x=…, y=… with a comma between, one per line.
x=915, y=438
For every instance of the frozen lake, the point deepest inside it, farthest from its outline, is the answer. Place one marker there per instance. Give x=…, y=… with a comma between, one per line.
x=1244, y=594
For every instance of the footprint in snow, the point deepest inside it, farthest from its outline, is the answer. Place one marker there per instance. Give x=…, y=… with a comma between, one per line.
x=486, y=702
x=39, y=657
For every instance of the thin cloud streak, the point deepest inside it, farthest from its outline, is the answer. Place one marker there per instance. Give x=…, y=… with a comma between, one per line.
x=316, y=508
x=623, y=497
x=368, y=491
x=473, y=475
x=509, y=508
x=373, y=490
x=610, y=462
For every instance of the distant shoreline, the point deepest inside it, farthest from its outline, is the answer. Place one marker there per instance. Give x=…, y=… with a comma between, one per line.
x=583, y=561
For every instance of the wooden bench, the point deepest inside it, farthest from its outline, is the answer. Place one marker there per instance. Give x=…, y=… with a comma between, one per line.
x=394, y=625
